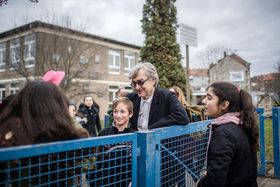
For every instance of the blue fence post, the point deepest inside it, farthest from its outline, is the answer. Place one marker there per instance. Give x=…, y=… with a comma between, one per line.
x=149, y=161
x=106, y=119
x=276, y=140
x=262, y=168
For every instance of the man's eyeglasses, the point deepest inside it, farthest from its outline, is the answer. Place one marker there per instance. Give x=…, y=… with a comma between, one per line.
x=139, y=82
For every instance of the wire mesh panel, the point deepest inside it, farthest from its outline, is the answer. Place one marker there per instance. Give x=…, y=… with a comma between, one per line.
x=113, y=166
x=104, y=161
x=183, y=158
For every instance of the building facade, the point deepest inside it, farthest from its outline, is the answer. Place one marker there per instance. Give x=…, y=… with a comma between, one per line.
x=231, y=68
x=94, y=65
x=199, y=81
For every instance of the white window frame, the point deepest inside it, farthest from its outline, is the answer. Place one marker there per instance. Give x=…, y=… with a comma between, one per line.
x=114, y=66
x=14, y=89
x=2, y=57
x=112, y=89
x=55, y=58
x=29, y=48
x=14, y=48
x=236, y=76
x=129, y=61
x=83, y=59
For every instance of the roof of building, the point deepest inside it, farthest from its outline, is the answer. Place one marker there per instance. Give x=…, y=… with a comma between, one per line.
x=239, y=59
x=233, y=56
x=37, y=24
x=264, y=77
x=198, y=72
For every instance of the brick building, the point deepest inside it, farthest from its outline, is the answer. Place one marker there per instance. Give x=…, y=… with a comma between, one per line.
x=94, y=65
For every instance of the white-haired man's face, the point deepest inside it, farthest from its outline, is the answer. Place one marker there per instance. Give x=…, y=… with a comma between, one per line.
x=143, y=85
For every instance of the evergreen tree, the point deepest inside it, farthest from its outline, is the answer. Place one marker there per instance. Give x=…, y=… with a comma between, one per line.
x=159, y=24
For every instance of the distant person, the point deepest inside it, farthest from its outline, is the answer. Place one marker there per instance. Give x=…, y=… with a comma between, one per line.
x=195, y=112
x=89, y=114
x=121, y=93
x=153, y=107
x=115, y=159
x=73, y=111
x=180, y=95
x=231, y=154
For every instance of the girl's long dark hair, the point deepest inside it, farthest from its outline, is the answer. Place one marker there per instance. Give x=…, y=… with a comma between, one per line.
x=240, y=101
x=41, y=109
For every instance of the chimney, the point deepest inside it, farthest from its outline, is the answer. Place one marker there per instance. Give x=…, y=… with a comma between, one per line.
x=225, y=54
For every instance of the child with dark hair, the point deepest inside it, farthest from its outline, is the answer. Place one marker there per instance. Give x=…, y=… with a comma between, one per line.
x=233, y=143
x=38, y=114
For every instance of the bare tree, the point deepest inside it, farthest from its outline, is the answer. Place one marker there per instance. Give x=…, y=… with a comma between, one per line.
x=57, y=49
x=5, y=2
x=212, y=54
x=272, y=87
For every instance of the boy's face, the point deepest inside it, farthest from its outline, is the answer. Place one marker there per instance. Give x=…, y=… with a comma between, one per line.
x=121, y=114
x=88, y=101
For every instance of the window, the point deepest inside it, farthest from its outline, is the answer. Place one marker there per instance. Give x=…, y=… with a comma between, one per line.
x=129, y=61
x=236, y=76
x=112, y=93
x=29, y=50
x=14, y=88
x=14, y=53
x=2, y=57
x=55, y=58
x=114, y=61
x=83, y=60
x=97, y=59
x=2, y=91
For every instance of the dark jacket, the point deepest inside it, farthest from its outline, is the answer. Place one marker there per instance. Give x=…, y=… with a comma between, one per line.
x=90, y=119
x=165, y=110
x=114, y=160
x=230, y=161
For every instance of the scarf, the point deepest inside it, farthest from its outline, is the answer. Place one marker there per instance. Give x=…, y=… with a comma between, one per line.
x=233, y=117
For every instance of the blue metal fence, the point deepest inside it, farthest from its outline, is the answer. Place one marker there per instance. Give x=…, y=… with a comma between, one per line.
x=173, y=156
x=94, y=162
x=276, y=140
x=263, y=160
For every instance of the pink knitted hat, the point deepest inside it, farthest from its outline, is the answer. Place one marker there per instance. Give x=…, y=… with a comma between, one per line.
x=54, y=77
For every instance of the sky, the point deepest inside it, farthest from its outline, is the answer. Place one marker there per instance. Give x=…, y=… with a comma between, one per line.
x=251, y=28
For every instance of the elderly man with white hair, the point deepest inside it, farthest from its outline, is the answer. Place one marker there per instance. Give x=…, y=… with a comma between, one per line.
x=153, y=107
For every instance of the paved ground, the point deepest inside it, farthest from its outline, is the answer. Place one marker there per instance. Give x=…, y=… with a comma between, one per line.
x=268, y=182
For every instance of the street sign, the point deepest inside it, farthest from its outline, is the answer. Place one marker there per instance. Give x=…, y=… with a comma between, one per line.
x=188, y=35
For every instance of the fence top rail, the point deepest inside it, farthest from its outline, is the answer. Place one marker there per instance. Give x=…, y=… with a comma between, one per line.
x=179, y=130
x=62, y=146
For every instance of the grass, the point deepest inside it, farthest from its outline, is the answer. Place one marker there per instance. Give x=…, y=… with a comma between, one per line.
x=268, y=144
x=268, y=139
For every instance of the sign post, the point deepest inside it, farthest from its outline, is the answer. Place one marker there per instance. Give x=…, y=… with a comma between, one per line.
x=188, y=37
